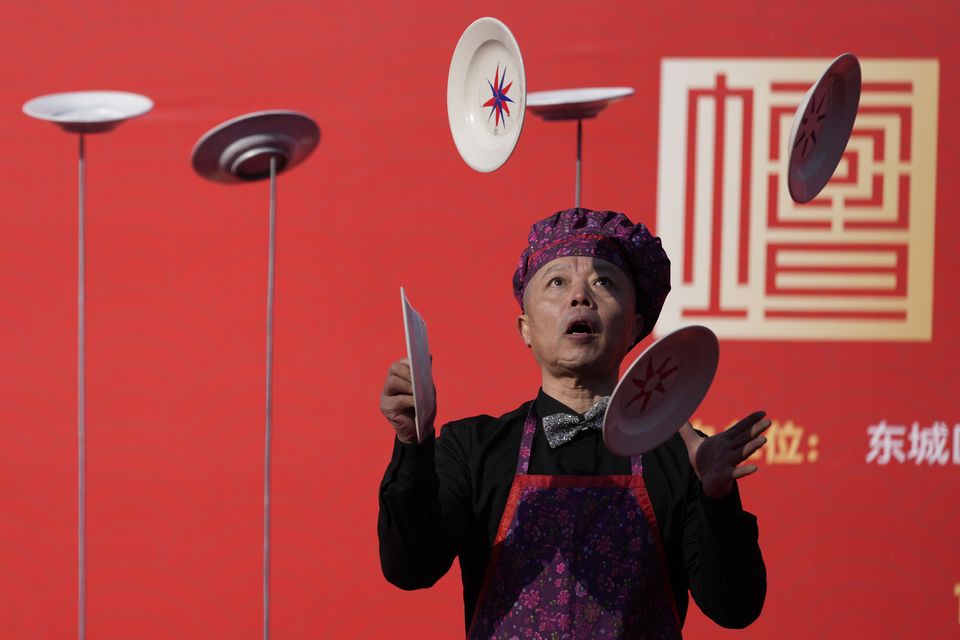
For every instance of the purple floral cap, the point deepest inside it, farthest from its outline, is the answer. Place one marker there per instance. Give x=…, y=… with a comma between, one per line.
x=607, y=235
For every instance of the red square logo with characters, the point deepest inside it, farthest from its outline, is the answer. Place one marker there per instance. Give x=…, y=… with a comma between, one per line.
x=855, y=263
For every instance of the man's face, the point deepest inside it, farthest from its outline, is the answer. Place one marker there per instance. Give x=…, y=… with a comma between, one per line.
x=579, y=316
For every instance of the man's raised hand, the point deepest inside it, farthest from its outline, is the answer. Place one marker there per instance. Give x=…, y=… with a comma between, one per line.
x=397, y=406
x=716, y=459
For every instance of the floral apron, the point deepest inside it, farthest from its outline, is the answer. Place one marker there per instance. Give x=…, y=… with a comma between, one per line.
x=576, y=557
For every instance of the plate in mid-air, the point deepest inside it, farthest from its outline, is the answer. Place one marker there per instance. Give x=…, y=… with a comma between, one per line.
x=821, y=128
x=486, y=94
x=660, y=390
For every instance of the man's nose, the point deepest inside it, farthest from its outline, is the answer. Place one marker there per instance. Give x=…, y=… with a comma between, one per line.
x=580, y=296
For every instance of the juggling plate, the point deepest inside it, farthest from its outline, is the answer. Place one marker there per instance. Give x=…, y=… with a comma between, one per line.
x=486, y=94
x=821, y=128
x=574, y=104
x=239, y=150
x=660, y=390
x=88, y=111
x=421, y=369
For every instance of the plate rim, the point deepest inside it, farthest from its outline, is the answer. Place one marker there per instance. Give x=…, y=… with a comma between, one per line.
x=253, y=115
x=628, y=91
x=417, y=418
x=29, y=107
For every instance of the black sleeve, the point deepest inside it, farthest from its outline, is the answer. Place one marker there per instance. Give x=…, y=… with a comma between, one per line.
x=722, y=557
x=424, y=511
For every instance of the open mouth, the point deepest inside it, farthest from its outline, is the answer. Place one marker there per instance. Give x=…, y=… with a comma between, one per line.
x=580, y=327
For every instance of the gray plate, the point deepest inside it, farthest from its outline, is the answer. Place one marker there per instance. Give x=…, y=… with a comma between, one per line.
x=239, y=150
x=821, y=128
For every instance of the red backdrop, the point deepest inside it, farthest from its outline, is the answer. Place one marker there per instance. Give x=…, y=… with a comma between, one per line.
x=176, y=282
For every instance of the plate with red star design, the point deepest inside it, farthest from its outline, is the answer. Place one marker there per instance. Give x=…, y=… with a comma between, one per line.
x=660, y=390
x=486, y=94
x=821, y=128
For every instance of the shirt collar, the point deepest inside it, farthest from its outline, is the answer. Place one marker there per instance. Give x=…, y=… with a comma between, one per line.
x=546, y=405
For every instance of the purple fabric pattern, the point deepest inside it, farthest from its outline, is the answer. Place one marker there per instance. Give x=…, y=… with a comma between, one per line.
x=576, y=557
x=606, y=235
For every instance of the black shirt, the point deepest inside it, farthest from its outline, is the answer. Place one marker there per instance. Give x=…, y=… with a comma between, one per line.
x=445, y=498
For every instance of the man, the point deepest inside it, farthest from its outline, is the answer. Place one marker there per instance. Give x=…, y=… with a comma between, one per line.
x=556, y=536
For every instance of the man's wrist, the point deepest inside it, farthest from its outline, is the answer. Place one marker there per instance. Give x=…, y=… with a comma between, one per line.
x=414, y=458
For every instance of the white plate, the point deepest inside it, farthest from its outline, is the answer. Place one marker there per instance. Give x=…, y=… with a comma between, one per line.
x=574, y=104
x=88, y=111
x=421, y=370
x=821, y=128
x=660, y=390
x=486, y=94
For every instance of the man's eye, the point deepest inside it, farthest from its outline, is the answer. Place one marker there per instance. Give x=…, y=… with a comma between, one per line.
x=556, y=282
x=604, y=281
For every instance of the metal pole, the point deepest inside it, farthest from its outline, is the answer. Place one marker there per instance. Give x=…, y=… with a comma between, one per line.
x=269, y=401
x=579, y=149
x=81, y=403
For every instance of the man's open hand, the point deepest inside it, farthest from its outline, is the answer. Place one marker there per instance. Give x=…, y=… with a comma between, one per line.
x=716, y=459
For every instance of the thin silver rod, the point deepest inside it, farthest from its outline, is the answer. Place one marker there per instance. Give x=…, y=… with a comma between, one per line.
x=81, y=402
x=269, y=403
x=579, y=149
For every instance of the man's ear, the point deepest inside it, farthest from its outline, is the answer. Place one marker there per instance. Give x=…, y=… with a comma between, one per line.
x=523, y=328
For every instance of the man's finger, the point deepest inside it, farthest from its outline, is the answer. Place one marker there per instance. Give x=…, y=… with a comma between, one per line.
x=751, y=447
x=397, y=386
x=745, y=424
x=752, y=433
x=747, y=470
x=401, y=369
x=760, y=427
x=397, y=404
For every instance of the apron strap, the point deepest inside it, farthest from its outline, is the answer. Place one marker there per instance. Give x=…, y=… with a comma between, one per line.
x=526, y=442
x=526, y=446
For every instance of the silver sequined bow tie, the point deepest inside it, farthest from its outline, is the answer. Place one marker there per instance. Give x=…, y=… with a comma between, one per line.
x=561, y=427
